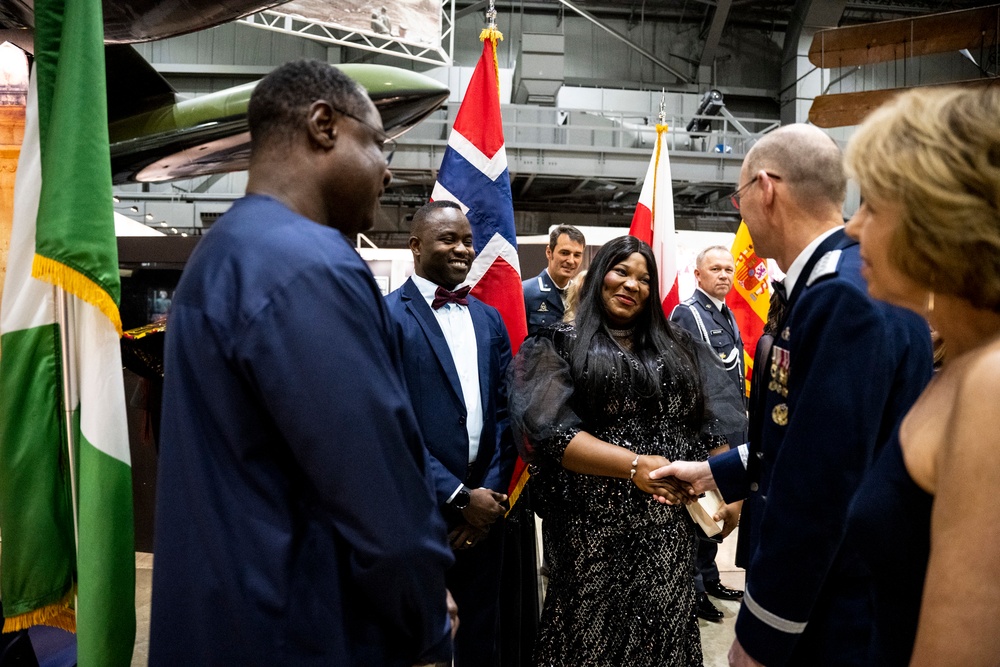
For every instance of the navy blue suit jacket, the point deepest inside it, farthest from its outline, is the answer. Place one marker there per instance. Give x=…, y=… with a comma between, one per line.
x=437, y=393
x=843, y=371
x=542, y=302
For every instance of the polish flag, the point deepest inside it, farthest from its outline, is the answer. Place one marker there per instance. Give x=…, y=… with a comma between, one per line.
x=653, y=221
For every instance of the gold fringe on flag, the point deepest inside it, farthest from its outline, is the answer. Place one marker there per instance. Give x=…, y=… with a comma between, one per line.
x=77, y=284
x=491, y=33
x=661, y=128
x=516, y=493
x=59, y=615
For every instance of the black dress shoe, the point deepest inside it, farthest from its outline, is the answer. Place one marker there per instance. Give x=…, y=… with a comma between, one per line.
x=717, y=590
x=705, y=609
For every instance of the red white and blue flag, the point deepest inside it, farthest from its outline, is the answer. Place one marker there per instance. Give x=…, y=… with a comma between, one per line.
x=653, y=221
x=474, y=175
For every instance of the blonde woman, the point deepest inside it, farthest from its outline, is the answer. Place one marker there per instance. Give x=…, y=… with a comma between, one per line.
x=929, y=169
x=573, y=296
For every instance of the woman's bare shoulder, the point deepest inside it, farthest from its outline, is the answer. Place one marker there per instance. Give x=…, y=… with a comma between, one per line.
x=977, y=406
x=981, y=376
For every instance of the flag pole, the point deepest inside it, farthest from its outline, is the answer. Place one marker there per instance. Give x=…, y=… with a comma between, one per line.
x=491, y=16
x=70, y=393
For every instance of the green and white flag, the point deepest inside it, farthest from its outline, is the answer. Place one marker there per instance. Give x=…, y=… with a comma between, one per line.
x=63, y=243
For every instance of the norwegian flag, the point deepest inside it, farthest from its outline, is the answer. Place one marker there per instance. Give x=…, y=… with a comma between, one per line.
x=474, y=175
x=653, y=221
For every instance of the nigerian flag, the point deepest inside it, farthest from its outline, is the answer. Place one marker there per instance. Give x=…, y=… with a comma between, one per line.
x=60, y=360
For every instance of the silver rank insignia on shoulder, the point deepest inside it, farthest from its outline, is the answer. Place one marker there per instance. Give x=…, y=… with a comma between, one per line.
x=786, y=333
x=779, y=415
x=781, y=363
x=543, y=308
x=827, y=265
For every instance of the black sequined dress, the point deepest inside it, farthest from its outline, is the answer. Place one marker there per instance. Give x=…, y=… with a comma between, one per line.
x=620, y=587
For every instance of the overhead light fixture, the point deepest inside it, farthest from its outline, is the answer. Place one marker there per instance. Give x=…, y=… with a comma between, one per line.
x=711, y=104
x=115, y=199
x=149, y=216
x=163, y=223
x=173, y=229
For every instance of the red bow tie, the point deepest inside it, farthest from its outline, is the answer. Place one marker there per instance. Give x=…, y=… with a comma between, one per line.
x=443, y=296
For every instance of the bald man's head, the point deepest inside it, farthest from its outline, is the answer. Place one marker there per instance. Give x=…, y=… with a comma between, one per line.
x=809, y=161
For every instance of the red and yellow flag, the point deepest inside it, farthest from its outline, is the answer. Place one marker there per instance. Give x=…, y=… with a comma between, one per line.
x=751, y=295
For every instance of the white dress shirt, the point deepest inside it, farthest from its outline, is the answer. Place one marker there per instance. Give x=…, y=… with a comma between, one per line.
x=456, y=324
x=795, y=270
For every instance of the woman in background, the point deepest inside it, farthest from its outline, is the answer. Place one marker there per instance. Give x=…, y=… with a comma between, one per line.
x=573, y=296
x=597, y=405
x=929, y=169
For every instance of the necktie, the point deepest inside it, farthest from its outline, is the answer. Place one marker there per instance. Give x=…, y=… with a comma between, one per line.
x=776, y=309
x=781, y=296
x=728, y=314
x=443, y=296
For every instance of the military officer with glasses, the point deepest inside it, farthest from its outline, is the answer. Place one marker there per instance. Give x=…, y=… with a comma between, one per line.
x=843, y=370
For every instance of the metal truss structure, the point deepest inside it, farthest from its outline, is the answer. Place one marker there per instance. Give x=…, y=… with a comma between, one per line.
x=365, y=40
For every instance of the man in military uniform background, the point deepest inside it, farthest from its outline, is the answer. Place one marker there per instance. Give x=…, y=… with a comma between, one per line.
x=543, y=294
x=843, y=371
x=707, y=317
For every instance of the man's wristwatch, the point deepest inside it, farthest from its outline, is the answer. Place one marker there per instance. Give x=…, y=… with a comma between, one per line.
x=462, y=498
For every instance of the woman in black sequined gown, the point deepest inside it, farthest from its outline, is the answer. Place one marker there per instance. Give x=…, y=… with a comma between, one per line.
x=597, y=405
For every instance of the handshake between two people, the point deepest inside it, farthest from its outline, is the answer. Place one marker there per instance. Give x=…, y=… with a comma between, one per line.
x=673, y=482
x=683, y=482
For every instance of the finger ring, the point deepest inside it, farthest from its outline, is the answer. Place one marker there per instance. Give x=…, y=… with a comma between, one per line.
x=468, y=542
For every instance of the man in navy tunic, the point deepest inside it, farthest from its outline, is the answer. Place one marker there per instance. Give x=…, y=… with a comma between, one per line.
x=295, y=523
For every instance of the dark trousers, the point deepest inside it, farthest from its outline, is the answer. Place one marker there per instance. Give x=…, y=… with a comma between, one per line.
x=705, y=568
x=519, y=609
x=840, y=626
x=474, y=582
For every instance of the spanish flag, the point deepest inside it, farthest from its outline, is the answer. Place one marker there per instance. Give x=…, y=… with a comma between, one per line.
x=750, y=297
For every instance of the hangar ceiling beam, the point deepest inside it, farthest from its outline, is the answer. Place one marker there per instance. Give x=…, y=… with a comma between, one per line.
x=712, y=41
x=617, y=35
x=801, y=81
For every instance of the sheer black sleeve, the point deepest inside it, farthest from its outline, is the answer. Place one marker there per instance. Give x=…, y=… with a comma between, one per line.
x=540, y=388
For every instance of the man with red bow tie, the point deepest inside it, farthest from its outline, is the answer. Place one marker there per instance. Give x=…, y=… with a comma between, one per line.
x=455, y=352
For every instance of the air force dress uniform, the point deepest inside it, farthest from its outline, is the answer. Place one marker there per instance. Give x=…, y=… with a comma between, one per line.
x=843, y=370
x=543, y=302
x=699, y=315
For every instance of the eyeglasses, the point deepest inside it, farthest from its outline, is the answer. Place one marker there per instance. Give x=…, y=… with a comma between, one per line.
x=388, y=143
x=734, y=198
